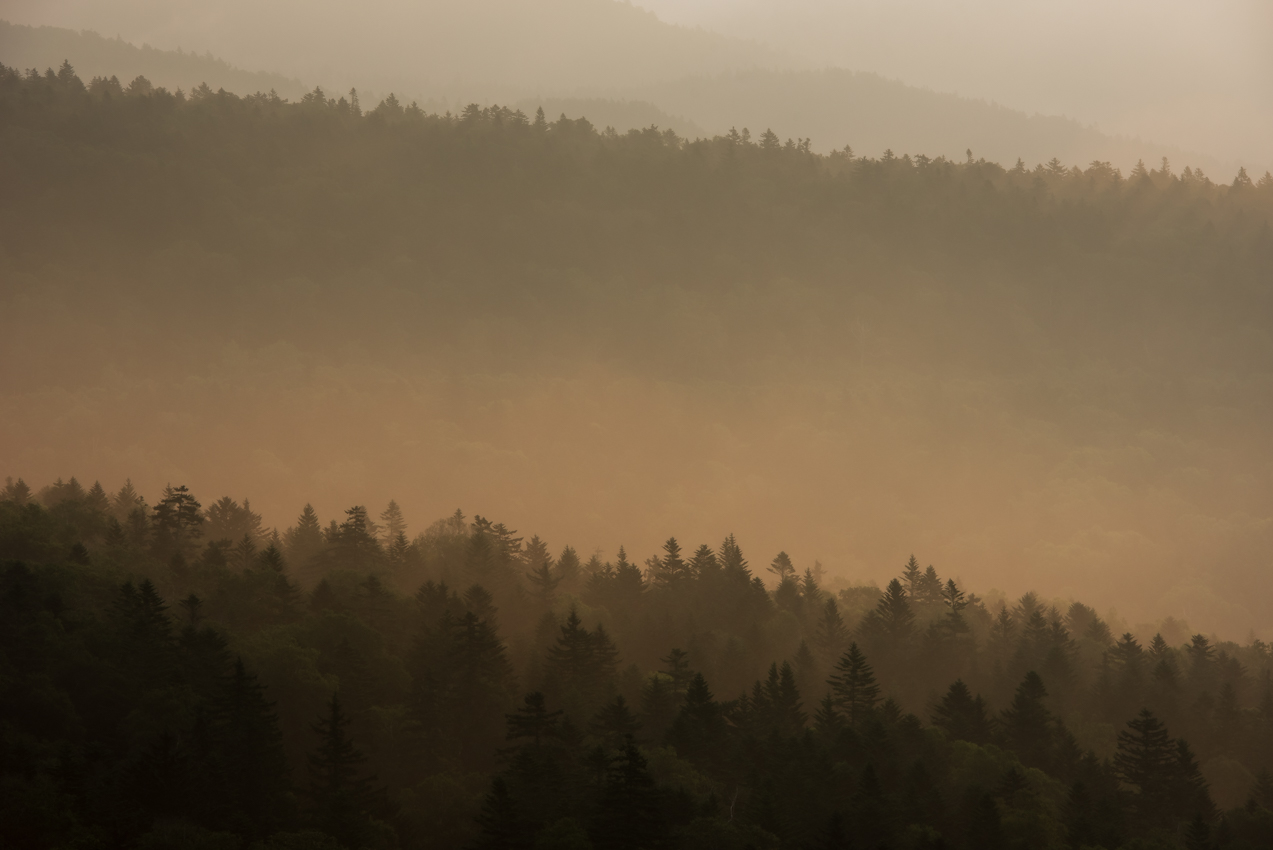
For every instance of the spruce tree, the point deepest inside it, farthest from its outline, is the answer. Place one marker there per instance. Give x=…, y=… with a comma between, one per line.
x=1027, y=723
x=1146, y=760
x=963, y=717
x=341, y=798
x=254, y=777
x=534, y=721
x=853, y=684
x=393, y=524
x=832, y=633
x=912, y=573
x=677, y=667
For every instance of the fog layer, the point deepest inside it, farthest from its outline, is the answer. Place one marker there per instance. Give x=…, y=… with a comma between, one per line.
x=1050, y=379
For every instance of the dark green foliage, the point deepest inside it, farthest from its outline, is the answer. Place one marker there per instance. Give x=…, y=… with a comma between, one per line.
x=341, y=797
x=1028, y=725
x=854, y=687
x=126, y=717
x=962, y=716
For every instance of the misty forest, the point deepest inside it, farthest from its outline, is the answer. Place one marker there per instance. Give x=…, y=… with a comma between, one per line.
x=175, y=671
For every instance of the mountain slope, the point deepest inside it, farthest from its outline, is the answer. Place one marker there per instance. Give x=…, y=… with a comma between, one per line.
x=476, y=49
x=1034, y=378
x=835, y=107
x=94, y=56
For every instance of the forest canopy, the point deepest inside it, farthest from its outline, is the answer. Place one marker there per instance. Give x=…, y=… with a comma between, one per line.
x=176, y=674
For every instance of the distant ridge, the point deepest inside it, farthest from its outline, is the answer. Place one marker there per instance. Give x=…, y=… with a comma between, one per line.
x=93, y=55
x=834, y=107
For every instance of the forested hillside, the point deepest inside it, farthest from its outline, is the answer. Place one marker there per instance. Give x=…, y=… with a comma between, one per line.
x=175, y=674
x=37, y=47
x=606, y=336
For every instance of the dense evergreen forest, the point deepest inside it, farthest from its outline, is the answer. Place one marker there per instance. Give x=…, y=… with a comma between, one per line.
x=177, y=675
x=173, y=673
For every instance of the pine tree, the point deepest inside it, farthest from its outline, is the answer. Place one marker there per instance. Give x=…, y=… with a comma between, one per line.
x=244, y=553
x=704, y=564
x=177, y=522
x=912, y=573
x=659, y=705
x=832, y=633
x=502, y=828
x=605, y=657
x=545, y=582
x=15, y=491
x=732, y=560
x=1029, y=726
x=341, y=798
x=677, y=668
x=96, y=499
x=1198, y=834
x=782, y=567
x=568, y=568
x=700, y=725
x=892, y=622
x=534, y=721
x=962, y=716
x=1146, y=759
x=250, y=751
x=784, y=698
x=930, y=587
x=615, y=722
x=669, y=569
x=853, y=684
x=630, y=812
x=571, y=658
x=827, y=720
x=394, y=524
x=304, y=542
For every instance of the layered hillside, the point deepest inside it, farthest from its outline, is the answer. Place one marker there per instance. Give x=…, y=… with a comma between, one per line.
x=1051, y=371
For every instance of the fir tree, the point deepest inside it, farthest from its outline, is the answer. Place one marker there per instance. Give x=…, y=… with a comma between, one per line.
x=853, y=684
x=962, y=716
x=1027, y=723
x=341, y=798
x=393, y=524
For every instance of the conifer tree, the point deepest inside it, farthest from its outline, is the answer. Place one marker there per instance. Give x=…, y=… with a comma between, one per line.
x=393, y=523
x=341, y=798
x=615, y=722
x=534, y=721
x=1027, y=723
x=832, y=633
x=732, y=560
x=892, y=622
x=782, y=567
x=699, y=726
x=669, y=569
x=304, y=541
x=659, y=705
x=704, y=563
x=1146, y=759
x=177, y=522
x=962, y=716
x=853, y=684
x=677, y=667
x=569, y=568
x=15, y=491
x=250, y=751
